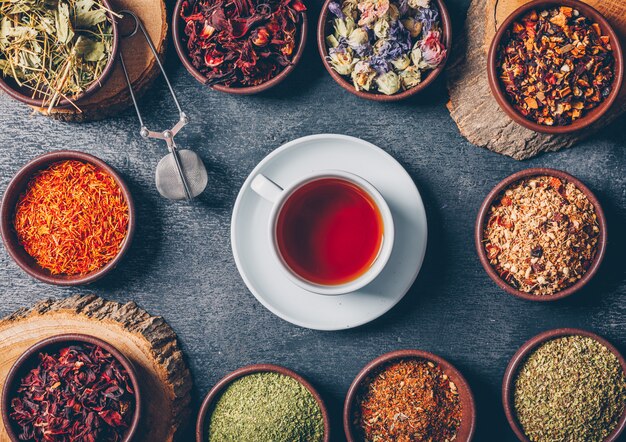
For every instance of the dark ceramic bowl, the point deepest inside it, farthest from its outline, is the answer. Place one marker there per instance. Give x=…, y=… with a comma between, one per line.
x=590, y=117
x=466, y=430
x=483, y=214
x=508, y=383
x=29, y=359
x=202, y=427
x=16, y=188
x=177, y=33
x=24, y=95
x=323, y=29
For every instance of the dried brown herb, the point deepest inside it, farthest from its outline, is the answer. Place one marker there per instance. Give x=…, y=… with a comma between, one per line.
x=409, y=400
x=241, y=42
x=555, y=65
x=80, y=393
x=541, y=235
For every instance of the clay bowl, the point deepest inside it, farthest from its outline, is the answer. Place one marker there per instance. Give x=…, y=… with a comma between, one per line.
x=466, y=430
x=323, y=29
x=483, y=215
x=508, y=382
x=215, y=393
x=178, y=28
x=24, y=95
x=28, y=361
x=16, y=188
x=592, y=116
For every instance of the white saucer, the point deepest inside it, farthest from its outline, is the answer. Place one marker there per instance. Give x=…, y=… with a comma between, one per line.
x=267, y=281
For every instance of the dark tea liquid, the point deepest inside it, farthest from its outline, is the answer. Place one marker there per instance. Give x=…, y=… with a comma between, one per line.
x=329, y=231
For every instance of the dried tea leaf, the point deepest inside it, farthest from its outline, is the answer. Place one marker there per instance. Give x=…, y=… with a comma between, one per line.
x=65, y=33
x=86, y=19
x=89, y=49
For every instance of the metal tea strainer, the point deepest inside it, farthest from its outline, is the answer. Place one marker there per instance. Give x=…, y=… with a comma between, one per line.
x=181, y=174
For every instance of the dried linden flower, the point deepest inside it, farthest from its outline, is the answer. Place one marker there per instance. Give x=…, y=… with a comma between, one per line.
x=402, y=62
x=362, y=76
x=415, y=4
x=413, y=26
x=381, y=28
x=394, y=12
x=332, y=41
x=358, y=37
x=388, y=83
x=342, y=61
x=350, y=8
x=410, y=77
x=343, y=27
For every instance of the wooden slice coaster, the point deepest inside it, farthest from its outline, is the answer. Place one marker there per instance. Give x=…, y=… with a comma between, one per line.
x=471, y=104
x=141, y=64
x=147, y=341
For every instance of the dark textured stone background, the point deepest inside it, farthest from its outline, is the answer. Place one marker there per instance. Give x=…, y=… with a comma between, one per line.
x=181, y=267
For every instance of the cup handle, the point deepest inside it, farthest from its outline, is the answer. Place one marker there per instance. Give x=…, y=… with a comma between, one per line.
x=266, y=188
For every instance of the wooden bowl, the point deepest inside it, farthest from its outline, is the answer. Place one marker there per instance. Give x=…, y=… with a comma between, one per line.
x=16, y=188
x=215, y=393
x=483, y=213
x=466, y=430
x=508, y=382
x=177, y=32
x=590, y=117
x=323, y=29
x=24, y=94
x=28, y=360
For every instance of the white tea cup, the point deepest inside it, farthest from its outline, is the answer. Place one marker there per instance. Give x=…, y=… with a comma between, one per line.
x=278, y=196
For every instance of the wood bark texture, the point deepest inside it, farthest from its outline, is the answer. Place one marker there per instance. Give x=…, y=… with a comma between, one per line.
x=141, y=64
x=148, y=342
x=472, y=105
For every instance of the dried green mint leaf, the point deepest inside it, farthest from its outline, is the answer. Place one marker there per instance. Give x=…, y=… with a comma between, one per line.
x=90, y=18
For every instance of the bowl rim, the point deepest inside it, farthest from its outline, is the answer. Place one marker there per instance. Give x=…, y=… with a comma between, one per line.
x=483, y=212
x=16, y=187
x=446, y=27
x=247, y=90
x=467, y=427
x=528, y=347
x=93, y=87
x=241, y=372
x=586, y=120
x=67, y=338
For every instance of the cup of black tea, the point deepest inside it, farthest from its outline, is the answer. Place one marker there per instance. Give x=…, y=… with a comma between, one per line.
x=330, y=231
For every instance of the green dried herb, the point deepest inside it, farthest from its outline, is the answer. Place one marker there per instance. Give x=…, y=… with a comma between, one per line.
x=54, y=48
x=266, y=407
x=570, y=389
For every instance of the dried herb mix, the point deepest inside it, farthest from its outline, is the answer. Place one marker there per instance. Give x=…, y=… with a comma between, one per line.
x=541, y=235
x=72, y=218
x=385, y=46
x=409, y=400
x=241, y=43
x=555, y=65
x=266, y=407
x=79, y=393
x=54, y=48
x=570, y=389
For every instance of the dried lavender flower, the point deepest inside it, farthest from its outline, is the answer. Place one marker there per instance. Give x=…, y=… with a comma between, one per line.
x=335, y=8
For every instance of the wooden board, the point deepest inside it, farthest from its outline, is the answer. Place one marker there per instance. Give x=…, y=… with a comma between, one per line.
x=471, y=104
x=148, y=341
x=141, y=64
